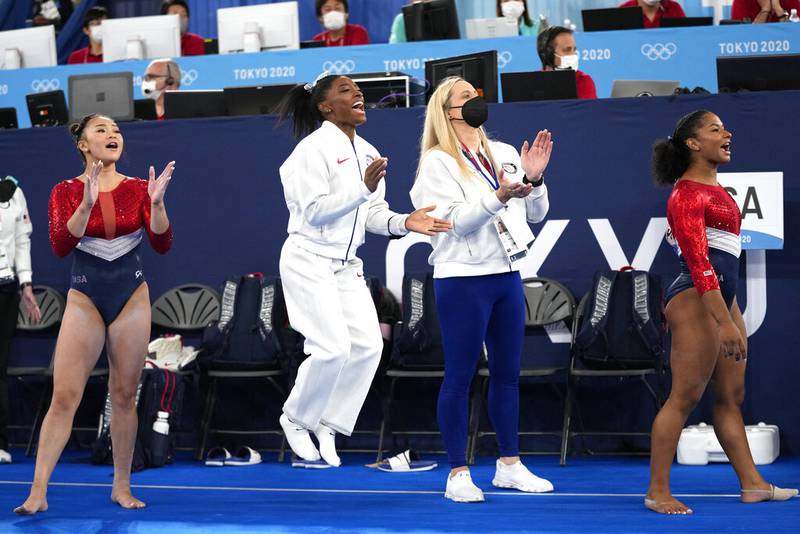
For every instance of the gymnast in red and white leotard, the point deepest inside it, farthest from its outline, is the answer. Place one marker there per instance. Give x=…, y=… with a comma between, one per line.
x=101, y=217
x=709, y=340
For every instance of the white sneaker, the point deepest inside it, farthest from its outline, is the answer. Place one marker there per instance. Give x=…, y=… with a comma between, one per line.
x=327, y=445
x=5, y=457
x=461, y=489
x=517, y=476
x=299, y=440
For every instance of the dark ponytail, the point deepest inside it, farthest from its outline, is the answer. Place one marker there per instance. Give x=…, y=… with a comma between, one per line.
x=302, y=104
x=671, y=156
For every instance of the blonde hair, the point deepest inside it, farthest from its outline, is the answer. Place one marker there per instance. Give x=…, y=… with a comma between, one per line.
x=438, y=133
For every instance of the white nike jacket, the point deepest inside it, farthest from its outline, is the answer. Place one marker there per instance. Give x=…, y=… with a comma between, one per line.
x=330, y=207
x=15, y=235
x=472, y=247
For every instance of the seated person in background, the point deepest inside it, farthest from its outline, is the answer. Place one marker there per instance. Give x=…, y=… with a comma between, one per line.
x=333, y=14
x=398, y=34
x=558, y=51
x=760, y=11
x=161, y=75
x=54, y=12
x=191, y=43
x=91, y=27
x=655, y=10
x=518, y=10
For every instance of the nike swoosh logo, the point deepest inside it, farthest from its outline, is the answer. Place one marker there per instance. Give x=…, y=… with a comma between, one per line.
x=340, y=161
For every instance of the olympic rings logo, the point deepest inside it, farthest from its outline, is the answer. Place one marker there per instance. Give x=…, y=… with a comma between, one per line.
x=504, y=58
x=339, y=67
x=188, y=77
x=662, y=51
x=40, y=86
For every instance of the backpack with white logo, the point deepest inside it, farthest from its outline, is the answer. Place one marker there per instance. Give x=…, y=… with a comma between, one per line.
x=419, y=343
x=622, y=325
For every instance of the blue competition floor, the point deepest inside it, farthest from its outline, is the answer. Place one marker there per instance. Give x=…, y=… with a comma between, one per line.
x=594, y=494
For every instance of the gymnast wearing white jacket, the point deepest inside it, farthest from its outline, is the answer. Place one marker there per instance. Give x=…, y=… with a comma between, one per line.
x=334, y=189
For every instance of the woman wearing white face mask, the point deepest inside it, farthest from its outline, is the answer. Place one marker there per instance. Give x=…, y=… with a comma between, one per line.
x=333, y=15
x=518, y=10
x=558, y=51
x=654, y=10
x=92, y=28
x=191, y=43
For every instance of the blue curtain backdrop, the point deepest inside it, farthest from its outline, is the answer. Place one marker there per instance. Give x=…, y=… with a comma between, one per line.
x=72, y=37
x=14, y=13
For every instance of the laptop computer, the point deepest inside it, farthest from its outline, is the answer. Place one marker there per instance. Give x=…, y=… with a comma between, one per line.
x=682, y=22
x=539, y=85
x=190, y=104
x=255, y=100
x=8, y=118
x=758, y=73
x=144, y=109
x=312, y=44
x=626, y=88
x=613, y=18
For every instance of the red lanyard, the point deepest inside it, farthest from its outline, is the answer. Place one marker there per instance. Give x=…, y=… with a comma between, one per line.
x=493, y=182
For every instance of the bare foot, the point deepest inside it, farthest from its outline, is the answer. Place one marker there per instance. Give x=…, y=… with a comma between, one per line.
x=667, y=505
x=32, y=505
x=766, y=492
x=124, y=498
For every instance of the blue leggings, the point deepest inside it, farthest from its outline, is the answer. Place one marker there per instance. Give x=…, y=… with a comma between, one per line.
x=474, y=309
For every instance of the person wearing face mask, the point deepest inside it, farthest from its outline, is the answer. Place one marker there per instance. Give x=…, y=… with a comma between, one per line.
x=191, y=43
x=333, y=15
x=161, y=75
x=760, y=11
x=15, y=284
x=654, y=10
x=518, y=10
x=558, y=51
x=489, y=192
x=101, y=217
x=334, y=188
x=93, y=53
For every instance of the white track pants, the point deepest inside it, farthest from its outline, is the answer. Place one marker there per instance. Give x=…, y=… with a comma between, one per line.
x=329, y=303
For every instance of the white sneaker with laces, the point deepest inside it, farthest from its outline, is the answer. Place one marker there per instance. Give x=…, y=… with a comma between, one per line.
x=460, y=488
x=517, y=476
x=299, y=440
x=5, y=457
x=327, y=445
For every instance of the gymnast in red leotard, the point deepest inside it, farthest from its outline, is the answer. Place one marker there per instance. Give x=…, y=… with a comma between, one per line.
x=101, y=216
x=709, y=340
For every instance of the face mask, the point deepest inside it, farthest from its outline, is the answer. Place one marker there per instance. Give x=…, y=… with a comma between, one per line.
x=512, y=10
x=652, y=3
x=334, y=20
x=149, y=90
x=568, y=62
x=96, y=33
x=184, y=25
x=475, y=111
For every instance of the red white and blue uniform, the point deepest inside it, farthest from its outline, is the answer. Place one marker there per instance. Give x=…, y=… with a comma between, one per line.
x=704, y=225
x=107, y=265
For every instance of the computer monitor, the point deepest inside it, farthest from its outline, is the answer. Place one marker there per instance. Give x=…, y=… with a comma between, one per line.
x=431, y=20
x=47, y=109
x=758, y=73
x=144, y=109
x=311, y=44
x=390, y=89
x=626, y=88
x=107, y=94
x=683, y=22
x=29, y=47
x=254, y=100
x=141, y=38
x=190, y=104
x=479, y=69
x=259, y=27
x=612, y=18
x=8, y=118
x=488, y=28
x=539, y=85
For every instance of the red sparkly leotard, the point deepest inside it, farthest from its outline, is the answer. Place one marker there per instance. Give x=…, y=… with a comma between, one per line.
x=703, y=218
x=107, y=266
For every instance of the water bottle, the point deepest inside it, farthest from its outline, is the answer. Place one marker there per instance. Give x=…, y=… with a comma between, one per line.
x=159, y=440
x=793, y=16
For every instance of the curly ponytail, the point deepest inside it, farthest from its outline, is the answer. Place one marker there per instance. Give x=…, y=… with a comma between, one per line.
x=301, y=102
x=671, y=156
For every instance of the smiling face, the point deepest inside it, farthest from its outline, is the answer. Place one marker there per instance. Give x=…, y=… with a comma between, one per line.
x=711, y=141
x=344, y=103
x=101, y=140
